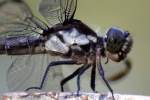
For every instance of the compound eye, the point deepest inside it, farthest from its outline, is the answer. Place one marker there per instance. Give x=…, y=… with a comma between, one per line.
x=115, y=40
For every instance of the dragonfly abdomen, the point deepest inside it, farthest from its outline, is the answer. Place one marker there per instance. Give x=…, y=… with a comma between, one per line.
x=20, y=45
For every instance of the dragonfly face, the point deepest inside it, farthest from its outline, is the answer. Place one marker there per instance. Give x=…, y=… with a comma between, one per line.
x=118, y=44
x=65, y=36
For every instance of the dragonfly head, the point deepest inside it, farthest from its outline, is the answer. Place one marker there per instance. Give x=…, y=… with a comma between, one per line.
x=118, y=44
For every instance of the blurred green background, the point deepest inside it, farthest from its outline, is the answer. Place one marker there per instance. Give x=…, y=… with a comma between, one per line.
x=131, y=15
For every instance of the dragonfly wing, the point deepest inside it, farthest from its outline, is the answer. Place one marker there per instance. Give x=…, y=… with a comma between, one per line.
x=17, y=18
x=14, y=10
x=18, y=72
x=27, y=71
x=58, y=11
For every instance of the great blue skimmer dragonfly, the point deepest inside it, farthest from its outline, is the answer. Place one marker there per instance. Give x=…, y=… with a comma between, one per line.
x=30, y=42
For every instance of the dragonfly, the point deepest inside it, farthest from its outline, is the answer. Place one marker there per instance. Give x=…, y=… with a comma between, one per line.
x=26, y=38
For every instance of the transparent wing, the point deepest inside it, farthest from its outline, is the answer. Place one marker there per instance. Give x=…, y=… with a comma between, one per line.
x=19, y=71
x=16, y=18
x=27, y=71
x=58, y=11
x=13, y=10
x=116, y=71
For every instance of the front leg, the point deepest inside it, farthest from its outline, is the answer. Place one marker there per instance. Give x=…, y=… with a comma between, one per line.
x=102, y=74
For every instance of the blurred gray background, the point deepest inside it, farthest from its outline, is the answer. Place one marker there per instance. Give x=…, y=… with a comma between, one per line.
x=132, y=15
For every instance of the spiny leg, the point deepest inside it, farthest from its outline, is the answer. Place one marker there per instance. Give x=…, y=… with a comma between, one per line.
x=102, y=74
x=85, y=67
x=65, y=80
x=52, y=64
x=93, y=72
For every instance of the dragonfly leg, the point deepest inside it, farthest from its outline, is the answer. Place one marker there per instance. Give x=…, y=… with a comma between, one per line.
x=65, y=80
x=93, y=75
x=52, y=64
x=85, y=67
x=102, y=74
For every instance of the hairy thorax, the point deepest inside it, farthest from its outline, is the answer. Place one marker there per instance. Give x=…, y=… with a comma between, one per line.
x=74, y=44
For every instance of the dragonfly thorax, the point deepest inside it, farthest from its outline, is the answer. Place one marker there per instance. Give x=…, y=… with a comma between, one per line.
x=62, y=40
x=73, y=42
